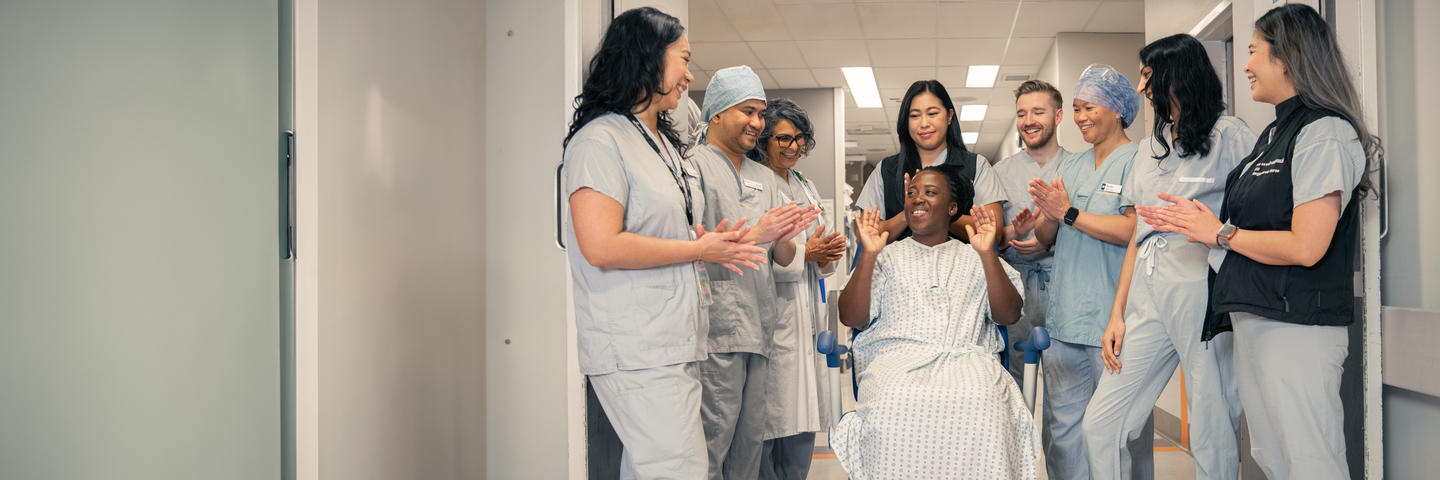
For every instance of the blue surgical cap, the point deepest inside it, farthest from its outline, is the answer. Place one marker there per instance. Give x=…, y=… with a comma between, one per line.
x=1104, y=86
x=730, y=86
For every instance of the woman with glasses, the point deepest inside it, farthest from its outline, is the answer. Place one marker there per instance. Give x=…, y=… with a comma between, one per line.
x=798, y=393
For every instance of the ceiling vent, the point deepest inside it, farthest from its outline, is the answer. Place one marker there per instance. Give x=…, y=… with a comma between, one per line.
x=1015, y=77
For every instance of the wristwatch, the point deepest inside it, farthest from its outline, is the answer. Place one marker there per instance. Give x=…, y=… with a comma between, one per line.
x=1071, y=214
x=1222, y=238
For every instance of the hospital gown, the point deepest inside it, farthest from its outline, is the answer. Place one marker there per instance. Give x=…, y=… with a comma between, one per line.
x=934, y=401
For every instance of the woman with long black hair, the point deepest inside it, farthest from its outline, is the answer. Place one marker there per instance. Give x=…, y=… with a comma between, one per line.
x=1289, y=229
x=929, y=134
x=1159, y=305
x=636, y=263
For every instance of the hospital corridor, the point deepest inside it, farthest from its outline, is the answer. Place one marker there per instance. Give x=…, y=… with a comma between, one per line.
x=719, y=239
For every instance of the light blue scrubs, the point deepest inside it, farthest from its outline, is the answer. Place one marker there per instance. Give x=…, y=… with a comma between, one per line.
x=1165, y=314
x=1015, y=173
x=1087, y=271
x=640, y=331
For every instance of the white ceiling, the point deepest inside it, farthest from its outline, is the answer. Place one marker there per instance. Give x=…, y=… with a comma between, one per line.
x=803, y=44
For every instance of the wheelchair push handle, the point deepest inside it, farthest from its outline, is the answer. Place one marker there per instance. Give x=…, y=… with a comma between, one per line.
x=1038, y=341
x=825, y=344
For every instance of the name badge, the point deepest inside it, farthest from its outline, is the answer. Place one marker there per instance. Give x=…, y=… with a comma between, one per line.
x=753, y=184
x=1111, y=188
x=1197, y=180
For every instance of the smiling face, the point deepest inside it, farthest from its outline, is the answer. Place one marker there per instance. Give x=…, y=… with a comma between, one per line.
x=784, y=145
x=739, y=127
x=928, y=204
x=1268, y=82
x=928, y=121
x=1096, y=122
x=1036, y=118
x=675, y=75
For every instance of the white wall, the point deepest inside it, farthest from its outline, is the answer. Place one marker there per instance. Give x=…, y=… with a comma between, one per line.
x=389, y=115
x=526, y=363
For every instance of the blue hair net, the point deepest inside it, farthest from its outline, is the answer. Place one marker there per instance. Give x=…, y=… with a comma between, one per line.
x=730, y=86
x=1104, y=86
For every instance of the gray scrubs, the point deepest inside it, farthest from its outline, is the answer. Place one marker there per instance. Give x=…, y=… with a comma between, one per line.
x=639, y=331
x=1289, y=374
x=987, y=185
x=799, y=391
x=1015, y=173
x=1165, y=314
x=742, y=319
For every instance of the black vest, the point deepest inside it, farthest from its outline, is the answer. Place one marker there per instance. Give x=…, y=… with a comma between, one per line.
x=894, y=174
x=1259, y=197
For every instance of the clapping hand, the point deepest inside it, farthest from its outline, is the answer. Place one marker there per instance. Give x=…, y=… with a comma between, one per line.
x=821, y=248
x=723, y=246
x=1051, y=199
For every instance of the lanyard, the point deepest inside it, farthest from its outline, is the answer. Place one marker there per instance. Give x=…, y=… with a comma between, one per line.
x=679, y=181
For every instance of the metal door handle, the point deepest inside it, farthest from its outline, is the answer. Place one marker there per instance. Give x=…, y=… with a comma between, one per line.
x=559, y=208
x=1384, y=198
x=287, y=193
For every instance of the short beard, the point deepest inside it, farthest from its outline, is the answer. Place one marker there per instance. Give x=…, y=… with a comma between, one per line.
x=1049, y=134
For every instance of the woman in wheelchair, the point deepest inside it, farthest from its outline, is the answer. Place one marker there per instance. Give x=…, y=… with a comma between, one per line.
x=933, y=400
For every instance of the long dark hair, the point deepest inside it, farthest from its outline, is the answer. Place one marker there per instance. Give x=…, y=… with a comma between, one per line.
x=627, y=67
x=1306, y=45
x=1179, y=65
x=909, y=154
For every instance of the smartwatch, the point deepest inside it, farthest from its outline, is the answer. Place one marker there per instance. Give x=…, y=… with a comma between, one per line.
x=1071, y=214
x=1222, y=238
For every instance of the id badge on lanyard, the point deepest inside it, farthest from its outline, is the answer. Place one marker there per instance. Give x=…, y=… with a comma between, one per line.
x=702, y=279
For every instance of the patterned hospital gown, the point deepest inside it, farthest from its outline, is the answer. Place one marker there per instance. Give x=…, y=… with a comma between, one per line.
x=934, y=401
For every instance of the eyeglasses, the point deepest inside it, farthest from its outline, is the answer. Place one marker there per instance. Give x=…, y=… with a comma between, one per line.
x=786, y=141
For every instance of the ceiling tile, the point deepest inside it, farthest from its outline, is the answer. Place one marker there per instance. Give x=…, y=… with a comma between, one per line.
x=976, y=19
x=828, y=77
x=1118, y=17
x=701, y=79
x=971, y=51
x=834, y=53
x=1028, y=50
x=821, y=21
x=897, y=20
x=716, y=56
x=709, y=24
x=756, y=20
x=1045, y=19
x=793, y=78
x=765, y=79
x=778, y=54
x=902, y=77
x=902, y=53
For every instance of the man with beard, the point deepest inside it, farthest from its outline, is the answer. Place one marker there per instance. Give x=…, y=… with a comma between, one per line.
x=1037, y=114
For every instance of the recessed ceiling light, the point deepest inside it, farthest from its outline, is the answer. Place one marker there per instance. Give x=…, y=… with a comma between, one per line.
x=981, y=76
x=973, y=113
x=862, y=86
x=970, y=137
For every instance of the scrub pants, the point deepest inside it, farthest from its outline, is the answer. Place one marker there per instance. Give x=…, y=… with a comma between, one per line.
x=1289, y=379
x=1071, y=372
x=732, y=410
x=656, y=412
x=1037, y=292
x=788, y=458
x=1164, y=316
